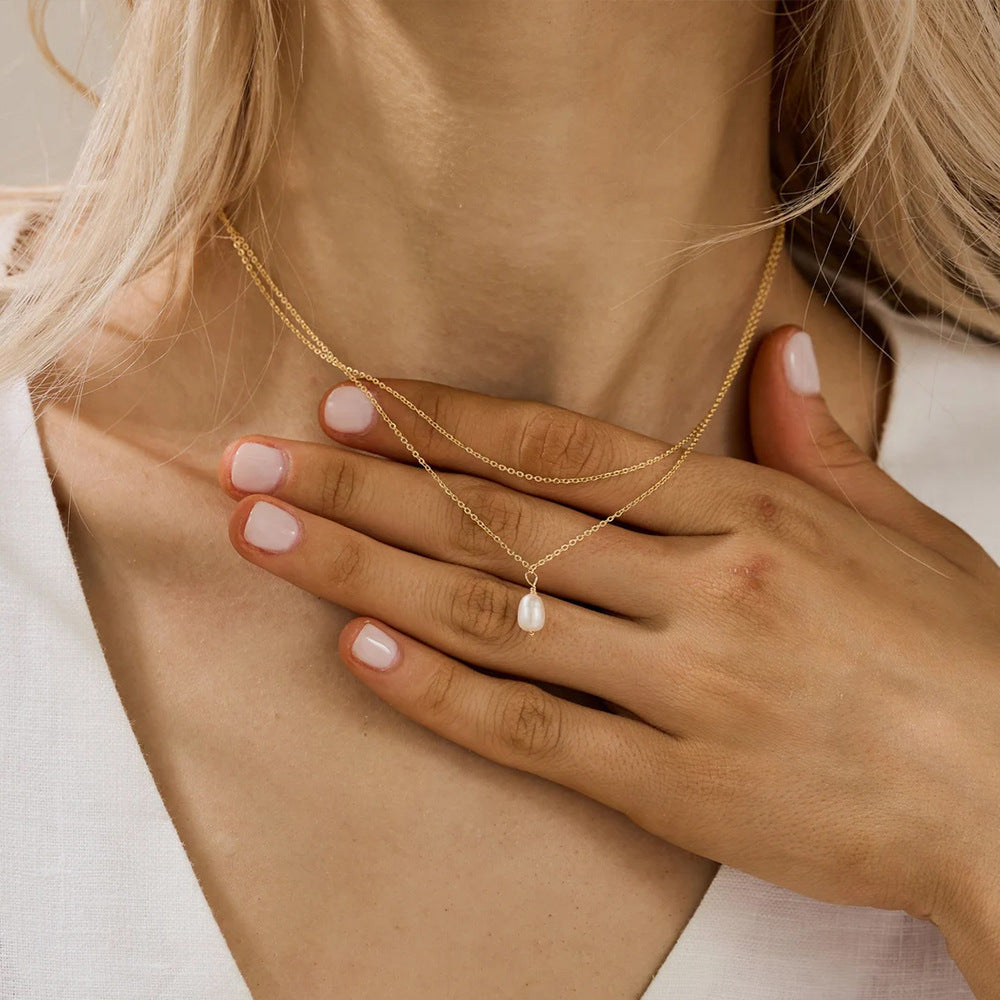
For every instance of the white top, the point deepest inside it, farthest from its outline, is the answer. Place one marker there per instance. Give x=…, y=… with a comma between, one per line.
x=98, y=900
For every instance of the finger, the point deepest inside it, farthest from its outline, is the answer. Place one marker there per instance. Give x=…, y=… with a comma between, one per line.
x=793, y=430
x=702, y=497
x=463, y=612
x=403, y=507
x=621, y=762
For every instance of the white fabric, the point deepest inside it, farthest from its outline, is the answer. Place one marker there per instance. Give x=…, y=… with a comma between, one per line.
x=98, y=900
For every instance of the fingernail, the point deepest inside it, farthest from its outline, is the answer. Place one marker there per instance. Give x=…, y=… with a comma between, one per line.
x=374, y=648
x=348, y=410
x=271, y=527
x=801, y=369
x=257, y=468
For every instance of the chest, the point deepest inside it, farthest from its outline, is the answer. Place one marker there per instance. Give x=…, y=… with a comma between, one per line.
x=343, y=849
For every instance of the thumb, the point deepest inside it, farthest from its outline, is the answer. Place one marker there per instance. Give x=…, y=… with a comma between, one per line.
x=794, y=431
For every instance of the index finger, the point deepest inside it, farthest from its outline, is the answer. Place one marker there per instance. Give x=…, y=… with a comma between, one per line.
x=546, y=442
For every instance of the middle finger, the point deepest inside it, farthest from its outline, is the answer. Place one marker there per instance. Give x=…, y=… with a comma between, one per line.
x=622, y=571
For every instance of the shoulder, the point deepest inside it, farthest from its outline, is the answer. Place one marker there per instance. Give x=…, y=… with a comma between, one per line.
x=23, y=211
x=940, y=438
x=945, y=377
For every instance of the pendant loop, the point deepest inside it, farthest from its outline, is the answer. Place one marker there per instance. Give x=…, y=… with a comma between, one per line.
x=531, y=577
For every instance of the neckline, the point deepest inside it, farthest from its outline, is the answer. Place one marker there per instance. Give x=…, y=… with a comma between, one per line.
x=726, y=885
x=91, y=836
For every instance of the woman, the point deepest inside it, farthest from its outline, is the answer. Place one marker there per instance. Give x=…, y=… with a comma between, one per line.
x=237, y=762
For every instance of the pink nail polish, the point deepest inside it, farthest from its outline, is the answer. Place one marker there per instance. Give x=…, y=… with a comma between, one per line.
x=801, y=369
x=374, y=648
x=348, y=410
x=271, y=527
x=257, y=468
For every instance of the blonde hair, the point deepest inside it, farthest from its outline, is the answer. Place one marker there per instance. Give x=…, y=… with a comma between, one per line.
x=886, y=152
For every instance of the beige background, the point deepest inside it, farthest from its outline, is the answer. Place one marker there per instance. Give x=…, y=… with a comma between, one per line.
x=42, y=118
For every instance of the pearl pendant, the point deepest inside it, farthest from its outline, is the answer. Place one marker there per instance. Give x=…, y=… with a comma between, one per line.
x=531, y=613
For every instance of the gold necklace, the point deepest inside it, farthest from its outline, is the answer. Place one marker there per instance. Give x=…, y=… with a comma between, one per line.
x=530, y=610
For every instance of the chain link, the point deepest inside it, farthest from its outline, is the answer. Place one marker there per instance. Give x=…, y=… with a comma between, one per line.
x=290, y=317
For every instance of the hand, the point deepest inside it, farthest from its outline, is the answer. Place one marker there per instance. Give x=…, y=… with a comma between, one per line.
x=805, y=657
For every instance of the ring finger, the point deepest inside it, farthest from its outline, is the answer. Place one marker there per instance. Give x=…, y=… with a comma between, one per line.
x=466, y=613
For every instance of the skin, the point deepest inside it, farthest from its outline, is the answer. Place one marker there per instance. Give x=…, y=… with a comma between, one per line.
x=756, y=722
x=543, y=277
x=472, y=152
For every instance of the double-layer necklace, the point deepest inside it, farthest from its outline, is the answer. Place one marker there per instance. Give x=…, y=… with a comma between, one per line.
x=530, y=609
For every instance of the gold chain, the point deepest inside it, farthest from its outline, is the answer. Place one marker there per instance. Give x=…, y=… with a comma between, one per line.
x=290, y=317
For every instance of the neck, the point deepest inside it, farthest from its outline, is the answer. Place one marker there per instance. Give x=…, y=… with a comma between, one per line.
x=492, y=195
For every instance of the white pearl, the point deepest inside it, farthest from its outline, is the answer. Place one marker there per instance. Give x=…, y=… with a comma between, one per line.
x=531, y=613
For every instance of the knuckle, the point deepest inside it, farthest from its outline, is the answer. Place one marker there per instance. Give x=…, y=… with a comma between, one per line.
x=338, y=487
x=747, y=583
x=440, y=693
x=837, y=449
x=481, y=609
x=499, y=508
x=562, y=443
x=765, y=511
x=345, y=565
x=784, y=516
x=421, y=434
x=527, y=721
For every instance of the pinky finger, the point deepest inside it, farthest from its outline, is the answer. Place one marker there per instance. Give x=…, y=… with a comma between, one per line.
x=621, y=762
